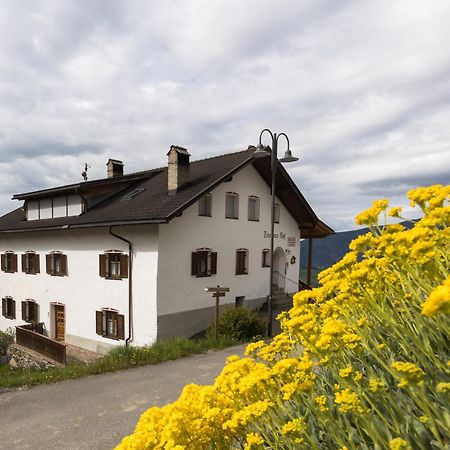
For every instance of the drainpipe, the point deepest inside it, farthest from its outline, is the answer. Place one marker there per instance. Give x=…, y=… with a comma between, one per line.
x=130, y=285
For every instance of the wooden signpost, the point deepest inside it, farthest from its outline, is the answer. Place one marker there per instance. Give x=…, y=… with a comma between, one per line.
x=217, y=292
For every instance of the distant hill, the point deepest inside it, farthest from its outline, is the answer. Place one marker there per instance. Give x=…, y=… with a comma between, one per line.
x=330, y=250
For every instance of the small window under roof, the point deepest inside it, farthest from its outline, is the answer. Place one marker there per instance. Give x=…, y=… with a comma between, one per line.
x=132, y=193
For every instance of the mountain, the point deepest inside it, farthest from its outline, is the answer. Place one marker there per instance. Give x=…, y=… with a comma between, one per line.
x=329, y=250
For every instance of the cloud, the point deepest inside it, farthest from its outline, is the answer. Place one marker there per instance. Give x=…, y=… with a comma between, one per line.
x=361, y=88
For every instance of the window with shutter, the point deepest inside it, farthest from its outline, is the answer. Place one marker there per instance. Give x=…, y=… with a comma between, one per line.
x=30, y=263
x=253, y=208
x=242, y=261
x=231, y=205
x=110, y=324
x=9, y=262
x=113, y=265
x=205, y=206
x=265, y=258
x=56, y=264
x=30, y=311
x=8, y=308
x=203, y=263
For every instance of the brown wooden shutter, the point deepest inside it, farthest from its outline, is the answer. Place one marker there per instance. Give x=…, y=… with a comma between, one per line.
x=13, y=309
x=99, y=322
x=35, y=312
x=24, y=311
x=24, y=262
x=124, y=266
x=213, y=263
x=14, y=263
x=63, y=264
x=37, y=265
x=120, y=326
x=48, y=263
x=237, y=263
x=194, y=264
x=3, y=263
x=4, y=307
x=102, y=265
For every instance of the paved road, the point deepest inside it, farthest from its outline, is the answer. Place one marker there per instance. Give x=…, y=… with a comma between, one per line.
x=96, y=412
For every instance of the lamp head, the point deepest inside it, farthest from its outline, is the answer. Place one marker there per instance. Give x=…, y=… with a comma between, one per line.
x=260, y=151
x=288, y=157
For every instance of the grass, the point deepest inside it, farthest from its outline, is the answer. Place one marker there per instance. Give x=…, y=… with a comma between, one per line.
x=118, y=358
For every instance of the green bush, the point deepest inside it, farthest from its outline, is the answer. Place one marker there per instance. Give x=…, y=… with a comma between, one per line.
x=6, y=339
x=240, y=324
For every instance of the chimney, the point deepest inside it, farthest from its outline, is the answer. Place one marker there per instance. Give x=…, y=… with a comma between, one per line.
x=178, y=169
x=115, y=168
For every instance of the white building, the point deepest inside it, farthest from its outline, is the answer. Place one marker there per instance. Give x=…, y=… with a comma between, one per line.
x=128, y=257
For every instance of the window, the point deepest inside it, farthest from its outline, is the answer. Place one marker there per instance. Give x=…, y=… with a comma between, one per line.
x=265, y=258
x=232, y=205
x=203, y=263
x=242, y=261
x=8, y=308
x=9, y=262
x=132, y=194
x=56, y=264
x=113, y=265
x=277, y=213
x=205, y=206
x=239, y=301
x=253, y=208
x=30, y=311
x=110, y=324
x=30, y=262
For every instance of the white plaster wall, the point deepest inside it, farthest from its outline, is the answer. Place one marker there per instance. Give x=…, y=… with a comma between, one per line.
x=179, y=291
x=83, y=291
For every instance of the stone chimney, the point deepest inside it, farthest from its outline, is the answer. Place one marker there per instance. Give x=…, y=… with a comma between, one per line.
x=178, y=169
x=115, y=168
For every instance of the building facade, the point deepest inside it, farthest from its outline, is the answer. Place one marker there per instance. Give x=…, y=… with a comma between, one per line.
x=127, y=258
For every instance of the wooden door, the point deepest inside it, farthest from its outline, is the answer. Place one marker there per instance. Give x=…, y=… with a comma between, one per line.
x=60, y=333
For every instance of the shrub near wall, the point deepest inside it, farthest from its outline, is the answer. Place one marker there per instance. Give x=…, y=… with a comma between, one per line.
x=362, y=362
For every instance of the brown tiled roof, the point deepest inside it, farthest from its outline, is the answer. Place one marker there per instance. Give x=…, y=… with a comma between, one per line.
x=153, y=204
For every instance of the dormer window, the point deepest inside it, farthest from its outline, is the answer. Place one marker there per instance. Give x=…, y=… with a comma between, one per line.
x=9, y=262
x=51, y=207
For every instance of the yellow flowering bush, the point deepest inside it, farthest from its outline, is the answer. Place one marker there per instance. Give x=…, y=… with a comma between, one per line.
x=362, y=362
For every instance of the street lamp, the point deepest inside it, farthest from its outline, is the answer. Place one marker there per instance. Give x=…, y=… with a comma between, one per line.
x=273, y=152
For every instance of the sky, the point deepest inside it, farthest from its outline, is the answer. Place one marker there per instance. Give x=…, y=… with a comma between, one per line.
x=362, y=89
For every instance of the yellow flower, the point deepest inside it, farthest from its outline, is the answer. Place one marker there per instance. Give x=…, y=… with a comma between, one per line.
x=438, y=301
x=399, y=444
x=294, y=426
x=344, y=373
x=395, y=212
x=443, y=387
x=411, y=373
x=253, y=440
x=349, y=402
x=322, y=403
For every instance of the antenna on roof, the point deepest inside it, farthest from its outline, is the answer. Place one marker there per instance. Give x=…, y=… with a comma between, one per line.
x=84, y=173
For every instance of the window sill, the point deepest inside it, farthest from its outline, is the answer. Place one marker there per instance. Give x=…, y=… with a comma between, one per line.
x=202, y=276
x=253, y=220
x=9, y=317
x=114, y=338
x=113, y=278
x=205, y=215
x=237, y=274
x=233, y=218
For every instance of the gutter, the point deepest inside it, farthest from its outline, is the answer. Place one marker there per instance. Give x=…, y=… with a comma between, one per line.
x=130, y=285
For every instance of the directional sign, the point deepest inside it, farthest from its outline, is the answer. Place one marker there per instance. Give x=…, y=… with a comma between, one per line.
x=217, y=289
x=217, y=294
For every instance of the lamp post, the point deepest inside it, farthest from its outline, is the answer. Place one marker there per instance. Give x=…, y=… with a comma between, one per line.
x=262, y=152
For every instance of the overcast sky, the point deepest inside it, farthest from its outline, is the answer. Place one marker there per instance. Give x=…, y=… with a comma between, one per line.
x=362, y=88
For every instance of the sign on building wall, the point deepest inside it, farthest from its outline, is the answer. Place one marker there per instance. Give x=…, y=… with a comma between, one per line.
x=291, y=241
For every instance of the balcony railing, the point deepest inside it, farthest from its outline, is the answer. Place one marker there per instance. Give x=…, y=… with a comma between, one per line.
x=31, y=336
